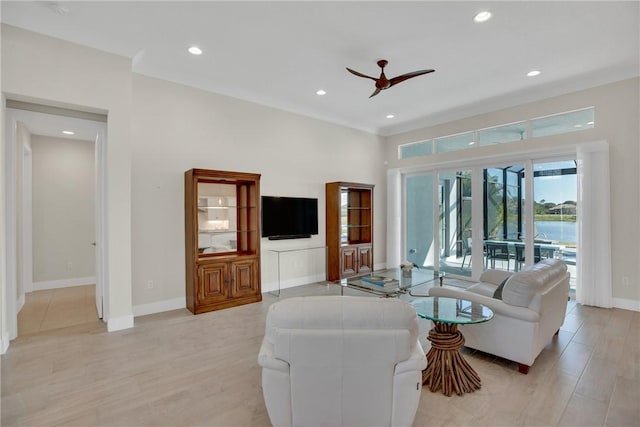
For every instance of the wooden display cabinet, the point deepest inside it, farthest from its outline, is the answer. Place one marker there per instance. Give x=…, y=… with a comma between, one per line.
x=349, y=229
x=222, y=239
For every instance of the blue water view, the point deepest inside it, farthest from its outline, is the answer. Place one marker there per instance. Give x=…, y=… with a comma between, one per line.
x=557, y=231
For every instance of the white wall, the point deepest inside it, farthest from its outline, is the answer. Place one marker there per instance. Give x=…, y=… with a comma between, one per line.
x=4, y=329
x=45, y=70
x=616, y=120
x=176, y=128
x=63, y=209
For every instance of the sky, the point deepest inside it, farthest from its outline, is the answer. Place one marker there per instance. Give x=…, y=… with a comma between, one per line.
x=556, y=189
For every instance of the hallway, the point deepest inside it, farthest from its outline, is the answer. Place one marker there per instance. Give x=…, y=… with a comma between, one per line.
x=57, y=308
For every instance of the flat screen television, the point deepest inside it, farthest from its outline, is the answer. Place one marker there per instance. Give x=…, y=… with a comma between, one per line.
x=289, y=217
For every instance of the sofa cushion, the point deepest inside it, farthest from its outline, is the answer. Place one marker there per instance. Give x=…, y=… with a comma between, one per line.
x=520, y=289
x=482, y=288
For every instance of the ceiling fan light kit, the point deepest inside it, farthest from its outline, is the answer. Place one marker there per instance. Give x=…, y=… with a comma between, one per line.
x=383, y=82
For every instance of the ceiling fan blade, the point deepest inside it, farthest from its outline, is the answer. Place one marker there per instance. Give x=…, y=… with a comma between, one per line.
x=403, y=77
x=354, y=72
x=377, y=91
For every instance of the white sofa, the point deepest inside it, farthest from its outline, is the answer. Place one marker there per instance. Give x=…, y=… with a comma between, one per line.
x=341, y=361
x=530, y=313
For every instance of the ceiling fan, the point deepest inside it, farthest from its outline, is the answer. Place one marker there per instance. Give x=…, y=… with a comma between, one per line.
x=382, y=82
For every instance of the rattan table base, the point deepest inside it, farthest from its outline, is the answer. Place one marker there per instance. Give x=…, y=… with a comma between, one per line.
x=446, y=369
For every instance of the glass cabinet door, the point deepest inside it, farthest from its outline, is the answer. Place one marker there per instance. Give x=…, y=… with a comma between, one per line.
x=355, y=216
x=344, y=222
x=217, y=218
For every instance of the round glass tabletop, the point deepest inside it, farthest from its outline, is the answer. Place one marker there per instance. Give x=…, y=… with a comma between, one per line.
x=452, y=310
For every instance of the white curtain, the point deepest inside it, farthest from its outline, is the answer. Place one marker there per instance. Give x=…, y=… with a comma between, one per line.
x=394, y=218
x=593, y=286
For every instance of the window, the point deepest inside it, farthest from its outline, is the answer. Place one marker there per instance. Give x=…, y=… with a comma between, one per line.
x=543, y=126
x=502, y=134
x=455, y=142
x=563, y=123
x=415, y=149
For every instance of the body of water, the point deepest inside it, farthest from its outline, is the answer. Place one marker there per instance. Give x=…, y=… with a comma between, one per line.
x=558, y=231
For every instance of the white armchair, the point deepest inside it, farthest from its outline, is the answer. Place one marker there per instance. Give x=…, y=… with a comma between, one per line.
x=341, y=361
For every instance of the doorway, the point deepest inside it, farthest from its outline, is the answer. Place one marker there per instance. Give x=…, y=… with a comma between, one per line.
x=34, y=270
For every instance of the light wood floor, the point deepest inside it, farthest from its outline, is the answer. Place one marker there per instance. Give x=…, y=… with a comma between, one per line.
x=176, y=369
x=57, y=308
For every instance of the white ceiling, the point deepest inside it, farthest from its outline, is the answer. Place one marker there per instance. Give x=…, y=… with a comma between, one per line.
x=280, y=53
x=53, y=125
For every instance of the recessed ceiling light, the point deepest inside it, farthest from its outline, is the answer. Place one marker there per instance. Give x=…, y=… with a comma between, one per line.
x=472, y=143
x=533, y=73
x=321, y=92
x=390, y=116
x=57, y=8
x=482, y=16
x=68, y=132
x=589, y=123
x=195, y=50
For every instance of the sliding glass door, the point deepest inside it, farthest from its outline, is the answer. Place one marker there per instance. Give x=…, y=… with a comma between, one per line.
x=439, y=238
x=419, y=220
x=454, y=222
x=555, y=194
x=438, y=217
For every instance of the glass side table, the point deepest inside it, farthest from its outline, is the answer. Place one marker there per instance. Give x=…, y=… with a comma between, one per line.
x=446, y=368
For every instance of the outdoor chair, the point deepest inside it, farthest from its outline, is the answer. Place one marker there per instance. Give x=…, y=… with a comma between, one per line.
x=519, y=256
x=497, y=251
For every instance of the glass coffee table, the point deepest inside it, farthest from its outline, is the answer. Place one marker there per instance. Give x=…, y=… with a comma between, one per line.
x=446, y=368
x=391, y=282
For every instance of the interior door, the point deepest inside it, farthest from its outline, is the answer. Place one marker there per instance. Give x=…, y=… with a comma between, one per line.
x=98, y=243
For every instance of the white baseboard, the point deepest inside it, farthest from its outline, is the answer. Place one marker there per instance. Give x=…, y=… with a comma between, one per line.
x=159, y=306
x=63, y=283
x=4, y=342
x=291, y=283
x=119, y=323
x=626, y=304
x=380, y=266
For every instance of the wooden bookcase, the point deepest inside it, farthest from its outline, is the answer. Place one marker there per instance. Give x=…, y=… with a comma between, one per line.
x=349, y=229
x=222, y=239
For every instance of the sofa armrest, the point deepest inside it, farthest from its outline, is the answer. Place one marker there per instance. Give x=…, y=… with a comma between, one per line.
x=495, y=277
x=416, y=362
x=267, y=360
x=496, y=305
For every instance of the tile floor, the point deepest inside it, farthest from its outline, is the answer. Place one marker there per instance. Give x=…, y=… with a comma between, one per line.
x=57, y=308
x=176, y=369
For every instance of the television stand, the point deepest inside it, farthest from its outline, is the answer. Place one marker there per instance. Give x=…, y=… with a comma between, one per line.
x=280, y=252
